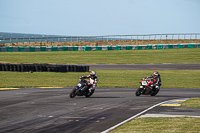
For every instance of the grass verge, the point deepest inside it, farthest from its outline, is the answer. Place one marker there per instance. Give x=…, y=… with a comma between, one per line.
x=157, y=125
x=107, y=78
x=186, y=55
x=192, y=102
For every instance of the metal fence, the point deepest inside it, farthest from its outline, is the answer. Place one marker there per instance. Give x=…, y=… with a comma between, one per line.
x=181, y=36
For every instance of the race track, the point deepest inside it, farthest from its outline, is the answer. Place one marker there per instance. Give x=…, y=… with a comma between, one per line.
x=51, y=110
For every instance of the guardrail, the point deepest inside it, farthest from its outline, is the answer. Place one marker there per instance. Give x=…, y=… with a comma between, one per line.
x=101, y=38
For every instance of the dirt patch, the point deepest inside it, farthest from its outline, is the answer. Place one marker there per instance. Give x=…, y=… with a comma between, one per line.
x=102, y=43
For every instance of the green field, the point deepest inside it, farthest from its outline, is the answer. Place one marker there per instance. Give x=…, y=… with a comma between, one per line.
x=192, y=102
x=107, y=78
x=160, y=125
x=186, y=55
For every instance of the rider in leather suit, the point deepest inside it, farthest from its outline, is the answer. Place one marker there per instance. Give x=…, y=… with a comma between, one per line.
x=92, y=82
x=156, y=79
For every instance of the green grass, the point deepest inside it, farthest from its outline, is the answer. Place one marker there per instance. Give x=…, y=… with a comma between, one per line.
x=107, y=78
x=130, y=78
x=186, y=55
x=158, y=125
x=38, y=79
x=192, y=102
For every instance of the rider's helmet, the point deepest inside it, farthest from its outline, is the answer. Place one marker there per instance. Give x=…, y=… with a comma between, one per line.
x=92, y=74
x=155, y=74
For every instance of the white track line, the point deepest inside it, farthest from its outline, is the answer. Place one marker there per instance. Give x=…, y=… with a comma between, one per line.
x=133, y=117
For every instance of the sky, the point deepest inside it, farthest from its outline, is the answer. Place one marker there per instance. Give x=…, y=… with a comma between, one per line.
x=99, y=17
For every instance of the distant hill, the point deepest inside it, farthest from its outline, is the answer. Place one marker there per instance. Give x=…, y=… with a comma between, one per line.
x=23, y=35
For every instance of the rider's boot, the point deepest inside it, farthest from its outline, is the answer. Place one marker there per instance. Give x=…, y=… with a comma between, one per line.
x=157, y=88
x=91, y=89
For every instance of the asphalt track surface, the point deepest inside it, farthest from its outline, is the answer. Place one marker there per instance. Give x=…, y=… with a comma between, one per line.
x=50, y=110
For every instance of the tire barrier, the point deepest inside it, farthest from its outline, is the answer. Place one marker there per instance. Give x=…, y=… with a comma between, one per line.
x=91, y=48
x=43, y=68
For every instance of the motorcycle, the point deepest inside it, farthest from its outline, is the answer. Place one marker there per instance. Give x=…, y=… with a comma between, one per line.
x=77, y=91
x=147, y=88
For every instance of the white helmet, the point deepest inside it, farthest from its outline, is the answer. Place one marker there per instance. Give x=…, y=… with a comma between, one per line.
x=92, y=73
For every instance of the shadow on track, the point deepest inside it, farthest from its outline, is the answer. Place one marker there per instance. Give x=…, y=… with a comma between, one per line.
x=166, y=96
x=105, y=97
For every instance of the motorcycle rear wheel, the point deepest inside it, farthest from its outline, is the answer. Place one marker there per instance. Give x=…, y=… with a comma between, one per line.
x=155, y=93
x=89, y=93
x=73, y=93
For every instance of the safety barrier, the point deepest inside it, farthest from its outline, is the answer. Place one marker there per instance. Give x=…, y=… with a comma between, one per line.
x=43, y=68
x=37, y=38
x=90, y=48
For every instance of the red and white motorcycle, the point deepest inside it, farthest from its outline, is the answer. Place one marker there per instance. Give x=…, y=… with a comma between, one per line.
x=147, y=88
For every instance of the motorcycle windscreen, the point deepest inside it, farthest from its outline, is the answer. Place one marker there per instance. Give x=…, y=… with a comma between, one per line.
x=144, y=83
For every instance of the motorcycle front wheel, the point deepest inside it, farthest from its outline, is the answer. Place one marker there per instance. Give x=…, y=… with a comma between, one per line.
x=73, y=93
x=138, y=92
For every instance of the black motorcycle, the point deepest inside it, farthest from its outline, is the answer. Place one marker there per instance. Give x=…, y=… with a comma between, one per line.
x=78, y=90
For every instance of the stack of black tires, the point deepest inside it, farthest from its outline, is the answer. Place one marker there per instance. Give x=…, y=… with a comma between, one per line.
x=43, y=68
